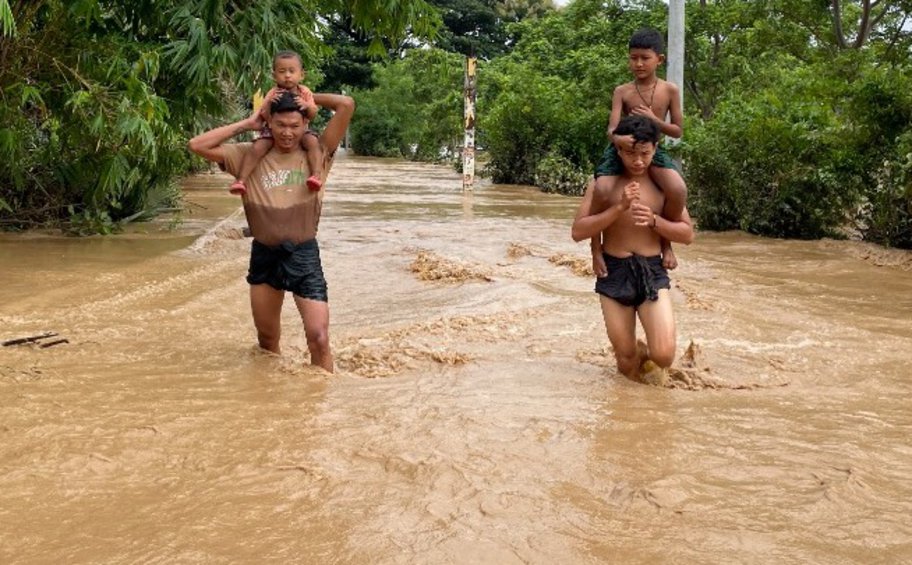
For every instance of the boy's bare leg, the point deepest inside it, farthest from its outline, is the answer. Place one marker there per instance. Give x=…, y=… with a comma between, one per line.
x=675, y=190
x=311, y=144
x=620, y=323
x=260, y=148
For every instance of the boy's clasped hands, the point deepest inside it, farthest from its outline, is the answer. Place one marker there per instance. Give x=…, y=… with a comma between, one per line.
x=642, y=214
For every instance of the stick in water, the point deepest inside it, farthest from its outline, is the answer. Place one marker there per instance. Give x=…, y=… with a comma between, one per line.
x=30, y=339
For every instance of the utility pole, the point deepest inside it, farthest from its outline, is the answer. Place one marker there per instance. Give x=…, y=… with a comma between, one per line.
x=468, y=149
x=676, y=45
x=346, y=143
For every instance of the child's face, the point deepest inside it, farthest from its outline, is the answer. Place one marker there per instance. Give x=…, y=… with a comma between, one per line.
x=643, y=62
x=287, y=72
x=637, y=158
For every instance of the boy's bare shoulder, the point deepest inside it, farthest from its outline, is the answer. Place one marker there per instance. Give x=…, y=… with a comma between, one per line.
x=624, y=88
x=607, y=195
x=666, y=87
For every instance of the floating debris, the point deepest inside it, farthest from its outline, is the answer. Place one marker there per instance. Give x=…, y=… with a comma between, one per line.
x=33, y=339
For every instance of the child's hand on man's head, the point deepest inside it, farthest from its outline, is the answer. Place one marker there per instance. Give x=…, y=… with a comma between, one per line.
x=302, y=102
x=623, y=142
x=305, y=98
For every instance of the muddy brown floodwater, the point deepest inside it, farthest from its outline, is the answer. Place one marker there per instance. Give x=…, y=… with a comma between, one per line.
x=475, y=416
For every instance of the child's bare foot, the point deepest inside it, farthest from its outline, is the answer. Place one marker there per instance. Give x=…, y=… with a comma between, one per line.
x=669, y=261
x=238, y=187
x=314, y=183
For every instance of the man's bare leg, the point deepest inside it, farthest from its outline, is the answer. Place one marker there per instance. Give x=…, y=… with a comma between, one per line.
x=657, y=317
x=315, y=316
x=620, y=323
x=266, y=306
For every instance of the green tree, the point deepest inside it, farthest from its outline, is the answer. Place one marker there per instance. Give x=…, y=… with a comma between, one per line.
x=415, y=110
x=549, y=100
x=471, y=27
x=347, y=64
x=97, y=97
x=836, y=109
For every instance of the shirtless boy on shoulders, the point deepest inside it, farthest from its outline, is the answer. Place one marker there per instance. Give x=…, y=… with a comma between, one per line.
x=650, y=97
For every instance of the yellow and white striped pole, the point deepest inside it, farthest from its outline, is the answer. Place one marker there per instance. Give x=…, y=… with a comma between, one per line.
x=468, y=150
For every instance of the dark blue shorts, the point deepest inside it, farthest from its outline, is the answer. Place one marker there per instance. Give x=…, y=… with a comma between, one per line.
x=289, y=266
x=633, y=280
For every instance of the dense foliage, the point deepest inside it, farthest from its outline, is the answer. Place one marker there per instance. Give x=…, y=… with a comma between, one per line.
x=98, y=98
x=798, y=116
x=810, y=138
x=414, y=111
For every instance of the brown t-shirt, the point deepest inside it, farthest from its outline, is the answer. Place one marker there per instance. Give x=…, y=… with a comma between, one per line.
x=278, y=204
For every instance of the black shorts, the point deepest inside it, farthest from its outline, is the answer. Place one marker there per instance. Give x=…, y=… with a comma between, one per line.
x=289, y=266
x=633, y=280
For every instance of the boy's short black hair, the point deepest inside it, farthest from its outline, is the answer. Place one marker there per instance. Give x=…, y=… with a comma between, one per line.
x=647, y=38
x=286, y=55
x=641, y=128
x=286, y=102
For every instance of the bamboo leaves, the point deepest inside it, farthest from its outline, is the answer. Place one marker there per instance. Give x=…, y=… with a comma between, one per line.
x=98, y=98
x=7, y=23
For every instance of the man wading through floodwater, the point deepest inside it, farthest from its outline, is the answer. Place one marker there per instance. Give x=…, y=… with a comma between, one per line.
x=283, y=215
x=627, y=216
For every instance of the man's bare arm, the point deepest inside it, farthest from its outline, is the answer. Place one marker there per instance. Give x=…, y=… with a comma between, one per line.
x=343, y=107
x=677, y=232
x=208, y=145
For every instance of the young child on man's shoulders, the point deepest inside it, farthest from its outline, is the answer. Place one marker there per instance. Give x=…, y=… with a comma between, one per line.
x=288, y=72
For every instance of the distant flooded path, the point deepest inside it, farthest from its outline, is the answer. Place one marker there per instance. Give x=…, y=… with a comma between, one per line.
x=475, y=416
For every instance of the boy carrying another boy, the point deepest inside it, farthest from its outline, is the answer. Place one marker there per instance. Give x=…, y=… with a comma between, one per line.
x=651, y=97
x=627, y=217
x=288, y=72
